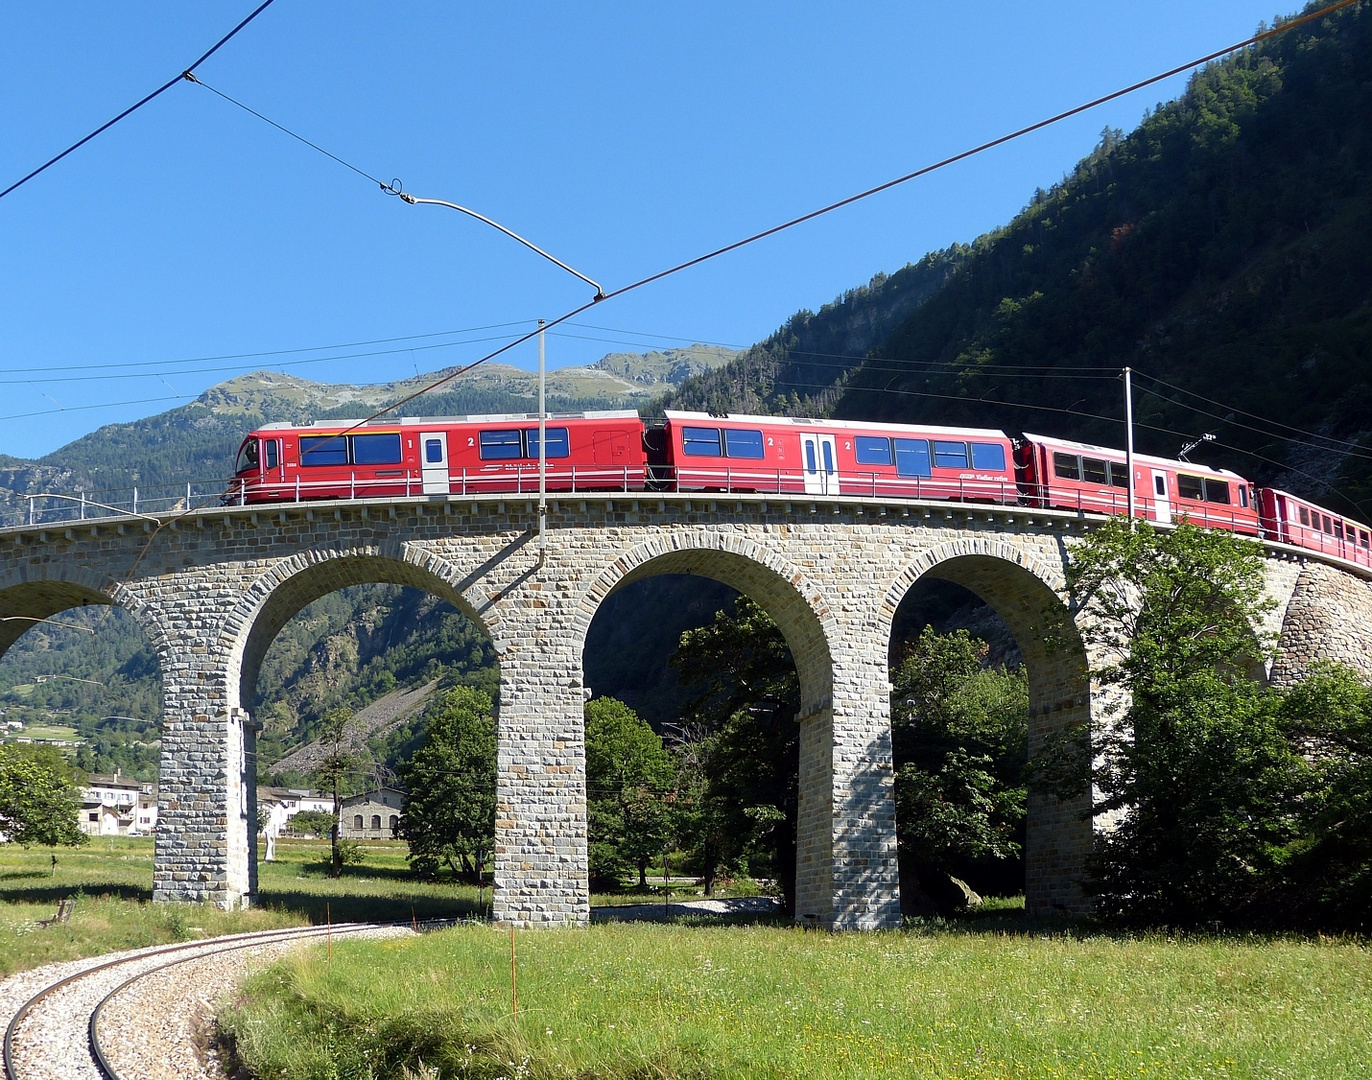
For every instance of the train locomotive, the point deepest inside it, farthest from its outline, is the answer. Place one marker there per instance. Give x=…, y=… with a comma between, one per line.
x=693, y=451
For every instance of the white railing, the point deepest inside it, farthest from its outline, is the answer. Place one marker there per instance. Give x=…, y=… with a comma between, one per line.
x=151, y=501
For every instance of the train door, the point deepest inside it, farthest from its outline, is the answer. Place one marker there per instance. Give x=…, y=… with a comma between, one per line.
x=821, y=464
x=1162, y=505
x=433, y=460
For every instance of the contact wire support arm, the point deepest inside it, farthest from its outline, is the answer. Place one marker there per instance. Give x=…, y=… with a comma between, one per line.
x=415, y=200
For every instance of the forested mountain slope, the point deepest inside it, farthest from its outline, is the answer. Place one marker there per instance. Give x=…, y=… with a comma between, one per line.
x=1224, y=247
x=800, y=369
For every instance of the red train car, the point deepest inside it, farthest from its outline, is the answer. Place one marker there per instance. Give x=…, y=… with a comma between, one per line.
x=792, y=455
x=1078, y=476
x=1291, y=520
x=343, y=459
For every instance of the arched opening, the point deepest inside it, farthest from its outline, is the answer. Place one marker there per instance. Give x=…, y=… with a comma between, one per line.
x=737, y=730
x=340, y=662
x=81, y=678
x=1012, y=605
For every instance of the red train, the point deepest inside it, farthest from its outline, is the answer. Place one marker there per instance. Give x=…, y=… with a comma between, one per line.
x=615, y=451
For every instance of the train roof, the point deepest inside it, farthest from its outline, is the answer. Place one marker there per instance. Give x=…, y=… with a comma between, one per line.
x=430, y=421
x=841, y=425
x=1112, y=454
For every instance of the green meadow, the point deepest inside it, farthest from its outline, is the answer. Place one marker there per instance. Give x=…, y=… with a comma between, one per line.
x=638, y=1000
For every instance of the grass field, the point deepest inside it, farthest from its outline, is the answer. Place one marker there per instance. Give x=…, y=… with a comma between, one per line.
x=111, y=878
x=635, y=1001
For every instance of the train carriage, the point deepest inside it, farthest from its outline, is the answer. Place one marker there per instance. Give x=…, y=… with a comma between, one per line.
x=343, y=459
x=794, y=455
x=1070, y=475
x=1292, y=520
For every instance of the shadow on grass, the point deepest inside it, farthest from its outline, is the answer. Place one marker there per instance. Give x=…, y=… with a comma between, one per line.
x=399, y=908
x=53, y=893
x=15, y=875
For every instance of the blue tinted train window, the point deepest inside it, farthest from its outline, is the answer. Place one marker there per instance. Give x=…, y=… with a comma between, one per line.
x=269, y=448
x=872, y=451
x=376, y=449
x=501, y=445
x=743, y=443
x=558, y=446
x=323, y=450
x=950, y=455
x=700, y=441
x=433, y=451
x=912, y=457
x=988, y=456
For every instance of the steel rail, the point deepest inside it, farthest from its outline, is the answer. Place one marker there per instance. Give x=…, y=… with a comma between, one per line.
x=260, y=937
x=92, y=1027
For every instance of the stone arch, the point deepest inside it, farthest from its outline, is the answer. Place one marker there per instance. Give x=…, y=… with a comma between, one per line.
x=41, y=592
x=284, y=590
x=781, y=589
x=1028, y=593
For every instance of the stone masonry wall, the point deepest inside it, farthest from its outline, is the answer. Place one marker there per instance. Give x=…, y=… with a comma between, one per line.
x=213, y=587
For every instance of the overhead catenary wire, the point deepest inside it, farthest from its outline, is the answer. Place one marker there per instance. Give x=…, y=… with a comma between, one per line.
x=839, y=204
x=184, y=74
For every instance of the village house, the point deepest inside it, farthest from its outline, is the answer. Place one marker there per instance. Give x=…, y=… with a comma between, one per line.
x=372, y=815
x=117, y=805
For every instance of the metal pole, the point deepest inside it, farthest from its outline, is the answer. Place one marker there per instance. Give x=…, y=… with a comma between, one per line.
x=542, y=449
x=1129, y=442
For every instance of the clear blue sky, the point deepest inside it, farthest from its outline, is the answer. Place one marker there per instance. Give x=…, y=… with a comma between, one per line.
x=621, y=137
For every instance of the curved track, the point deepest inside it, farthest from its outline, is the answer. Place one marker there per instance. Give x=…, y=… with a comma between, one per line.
x=56, y=1032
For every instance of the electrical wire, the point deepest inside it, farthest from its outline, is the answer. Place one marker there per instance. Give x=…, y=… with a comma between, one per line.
x=831, y=207
x=1242, y=412
x=1248, y=427
x=275, y=352
x=185, y=74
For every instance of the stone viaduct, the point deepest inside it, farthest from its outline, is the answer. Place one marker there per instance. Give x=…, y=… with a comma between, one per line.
x=212, y=588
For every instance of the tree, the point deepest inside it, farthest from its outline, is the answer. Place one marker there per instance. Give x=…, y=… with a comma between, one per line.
x=747, y=743
x=629, y=778
x=37, y=798
x=1329, y=870
x=449, y=812
x=340, y=761
x=960, y=741
x=1197, y=765
x=317, y=822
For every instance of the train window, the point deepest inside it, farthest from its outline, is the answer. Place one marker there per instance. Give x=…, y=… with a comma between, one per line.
x=1362, y=537
x=988, y=456
x=433, y=451
x=912, y=457
x=1328, y=525
x=810, y=465
x=1305, y=516
x=1338, y=530
x=1217, y=491
x=1093, y=470
x=1190, y=487
x=745, y=443
x=1160, y=485
x=872, y=451
x=270, y=453
x=317, y=450
x=950, y=455
x=1119, y=475
x=380, y=449
x=247, y=457
x=827, y=448
x=1243, y=495
x=1067, y=466
x=701, y=441
x=501, y=445
x=559, y=445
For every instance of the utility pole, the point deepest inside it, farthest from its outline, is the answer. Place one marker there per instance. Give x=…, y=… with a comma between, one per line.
x=542, y=450
x=1129, y=440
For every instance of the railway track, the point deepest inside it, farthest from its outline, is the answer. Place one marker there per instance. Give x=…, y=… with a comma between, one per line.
x=128, y=1017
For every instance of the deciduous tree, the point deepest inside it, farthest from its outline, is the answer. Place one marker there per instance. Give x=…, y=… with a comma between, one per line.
x=38, y=802
x=449, y=812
